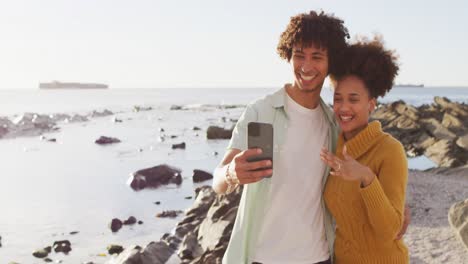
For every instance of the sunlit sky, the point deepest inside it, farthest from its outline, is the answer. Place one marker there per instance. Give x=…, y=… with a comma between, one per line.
x=211, y=43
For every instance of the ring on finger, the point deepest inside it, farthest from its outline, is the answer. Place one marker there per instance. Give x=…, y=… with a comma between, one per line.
x=339, y=167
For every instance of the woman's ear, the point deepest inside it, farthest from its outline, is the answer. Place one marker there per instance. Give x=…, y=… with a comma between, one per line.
x=372, y=105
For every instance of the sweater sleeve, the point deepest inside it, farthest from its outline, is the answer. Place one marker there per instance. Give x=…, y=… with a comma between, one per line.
x=384, y=198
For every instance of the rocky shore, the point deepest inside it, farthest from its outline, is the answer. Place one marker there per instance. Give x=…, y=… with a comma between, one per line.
x=437, y=198
x=437, y=131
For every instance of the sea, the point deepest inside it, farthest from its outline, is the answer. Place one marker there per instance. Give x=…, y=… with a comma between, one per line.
x=50, y=190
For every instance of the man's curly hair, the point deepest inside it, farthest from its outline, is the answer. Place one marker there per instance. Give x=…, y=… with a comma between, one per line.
x=368, y=60
x=315, y=29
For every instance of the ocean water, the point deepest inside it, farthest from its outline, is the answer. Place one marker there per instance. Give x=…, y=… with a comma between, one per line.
x=50, y=101
x=49, y=189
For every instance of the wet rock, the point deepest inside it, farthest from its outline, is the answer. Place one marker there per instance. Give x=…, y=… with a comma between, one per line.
x=190, y=248
x=116, y=120
x=105, y=112
x=48, y=249
x=200, y=175
x=137, y=108
x=76, y=118
x=114, y=249
x=179, y=146
x=115, y=225
x=41, y=253
x=130, y=221
x=63, y=246
x=176, y=107
x=155, y=176
x=106, y=140
x=154, y=253
x=214, y=132
x=458, y=219
x=169, y=213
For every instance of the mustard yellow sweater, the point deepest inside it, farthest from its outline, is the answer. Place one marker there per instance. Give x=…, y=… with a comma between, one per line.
x=368, y=219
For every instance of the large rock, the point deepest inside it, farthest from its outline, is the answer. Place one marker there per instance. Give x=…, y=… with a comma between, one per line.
x=214, y=132
x=458, y=219
x=200, y=175
x=155, y=176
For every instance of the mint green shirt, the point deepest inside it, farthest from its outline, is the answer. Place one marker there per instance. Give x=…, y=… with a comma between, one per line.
x=255, y=196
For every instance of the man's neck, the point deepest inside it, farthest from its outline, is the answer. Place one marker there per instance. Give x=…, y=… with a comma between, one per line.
x=307, y=99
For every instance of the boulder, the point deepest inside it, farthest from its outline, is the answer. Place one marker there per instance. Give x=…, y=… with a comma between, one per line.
x=458, y=219
x=200, y=175
x=190, y=248
x=106, y=140
x=130, y=221
x=154, y=253
x=155, y=176
x=114, y=249
x=63, y=246
x=178, y=146
x=40, y=253
x=214, y=132
x=169, y=213
x=115, y=224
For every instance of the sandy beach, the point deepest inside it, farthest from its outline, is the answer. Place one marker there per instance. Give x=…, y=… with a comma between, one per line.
x=429, y=236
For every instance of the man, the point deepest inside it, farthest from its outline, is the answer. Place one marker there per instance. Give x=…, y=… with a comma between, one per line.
x=283, y=219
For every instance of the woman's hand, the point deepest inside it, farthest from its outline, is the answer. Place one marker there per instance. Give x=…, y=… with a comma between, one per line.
x=347, y=168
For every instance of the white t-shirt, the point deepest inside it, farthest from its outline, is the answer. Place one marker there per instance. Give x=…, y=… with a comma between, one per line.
x=293, y=228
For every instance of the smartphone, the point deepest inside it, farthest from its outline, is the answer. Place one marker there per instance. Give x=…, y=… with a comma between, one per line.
x=260, y=135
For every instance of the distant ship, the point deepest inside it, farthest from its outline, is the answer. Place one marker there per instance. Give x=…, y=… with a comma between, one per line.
x=408, y=85
x=72, y=85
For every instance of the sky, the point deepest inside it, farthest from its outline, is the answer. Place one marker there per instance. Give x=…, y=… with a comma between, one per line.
x=212, y=43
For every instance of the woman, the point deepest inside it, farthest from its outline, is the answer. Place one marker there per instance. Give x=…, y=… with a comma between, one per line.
x=366, y=193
